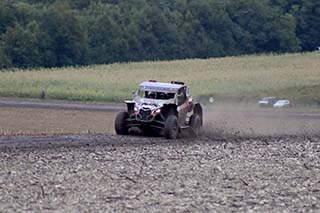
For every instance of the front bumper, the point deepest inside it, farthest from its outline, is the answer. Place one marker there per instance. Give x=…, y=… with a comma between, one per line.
x=137, y=120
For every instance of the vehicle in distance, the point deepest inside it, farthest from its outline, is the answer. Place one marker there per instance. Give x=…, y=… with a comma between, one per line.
x=282, y=104
x=267, y=102
x=160, y=109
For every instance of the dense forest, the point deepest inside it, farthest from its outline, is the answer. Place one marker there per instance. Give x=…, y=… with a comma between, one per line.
x=51, y=33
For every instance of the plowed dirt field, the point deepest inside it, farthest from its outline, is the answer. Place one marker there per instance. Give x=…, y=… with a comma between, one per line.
x=91, y=173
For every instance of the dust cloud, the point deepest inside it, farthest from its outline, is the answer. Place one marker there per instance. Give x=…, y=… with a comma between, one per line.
x=240, y=119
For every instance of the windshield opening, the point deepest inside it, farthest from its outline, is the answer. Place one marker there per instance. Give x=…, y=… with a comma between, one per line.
x=155, y=95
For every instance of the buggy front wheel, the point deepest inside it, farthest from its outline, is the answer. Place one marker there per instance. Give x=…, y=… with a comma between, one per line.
x=120, y=124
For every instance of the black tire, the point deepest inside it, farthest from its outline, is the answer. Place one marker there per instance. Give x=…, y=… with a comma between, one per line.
x=195, y=124
x=120, y=123
x=171, y=127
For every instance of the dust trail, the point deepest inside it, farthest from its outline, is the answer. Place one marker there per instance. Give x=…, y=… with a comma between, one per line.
x=246, y=120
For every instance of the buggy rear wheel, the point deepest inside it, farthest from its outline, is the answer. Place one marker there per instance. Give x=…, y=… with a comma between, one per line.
x=195, y=124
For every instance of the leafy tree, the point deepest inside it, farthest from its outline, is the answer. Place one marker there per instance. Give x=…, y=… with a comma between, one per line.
x=282, y=37
x=68, y=41
x=264, y=26
x=4, y=60
x=104, y=34
x=19, y=46
x=7, y=16
x=51, y=33
x=308, y=29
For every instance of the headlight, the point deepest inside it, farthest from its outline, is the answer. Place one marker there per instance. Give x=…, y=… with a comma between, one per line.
x=157, y=111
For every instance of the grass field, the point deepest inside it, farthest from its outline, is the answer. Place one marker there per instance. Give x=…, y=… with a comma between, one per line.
x=294, y=76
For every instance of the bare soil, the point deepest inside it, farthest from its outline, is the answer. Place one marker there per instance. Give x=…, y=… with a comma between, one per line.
x=42, y=117
x=33, y=121
x=91, y=173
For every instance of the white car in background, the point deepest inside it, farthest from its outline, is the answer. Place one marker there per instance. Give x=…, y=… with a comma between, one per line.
x=267, y=102
x=282, y=104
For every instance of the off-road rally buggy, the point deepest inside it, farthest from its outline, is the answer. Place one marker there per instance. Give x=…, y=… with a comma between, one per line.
x=160, y=109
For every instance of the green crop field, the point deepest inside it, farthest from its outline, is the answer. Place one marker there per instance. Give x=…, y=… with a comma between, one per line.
x=294, y=76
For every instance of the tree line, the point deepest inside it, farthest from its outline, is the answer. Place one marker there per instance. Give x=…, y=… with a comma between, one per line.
x=53, y=33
